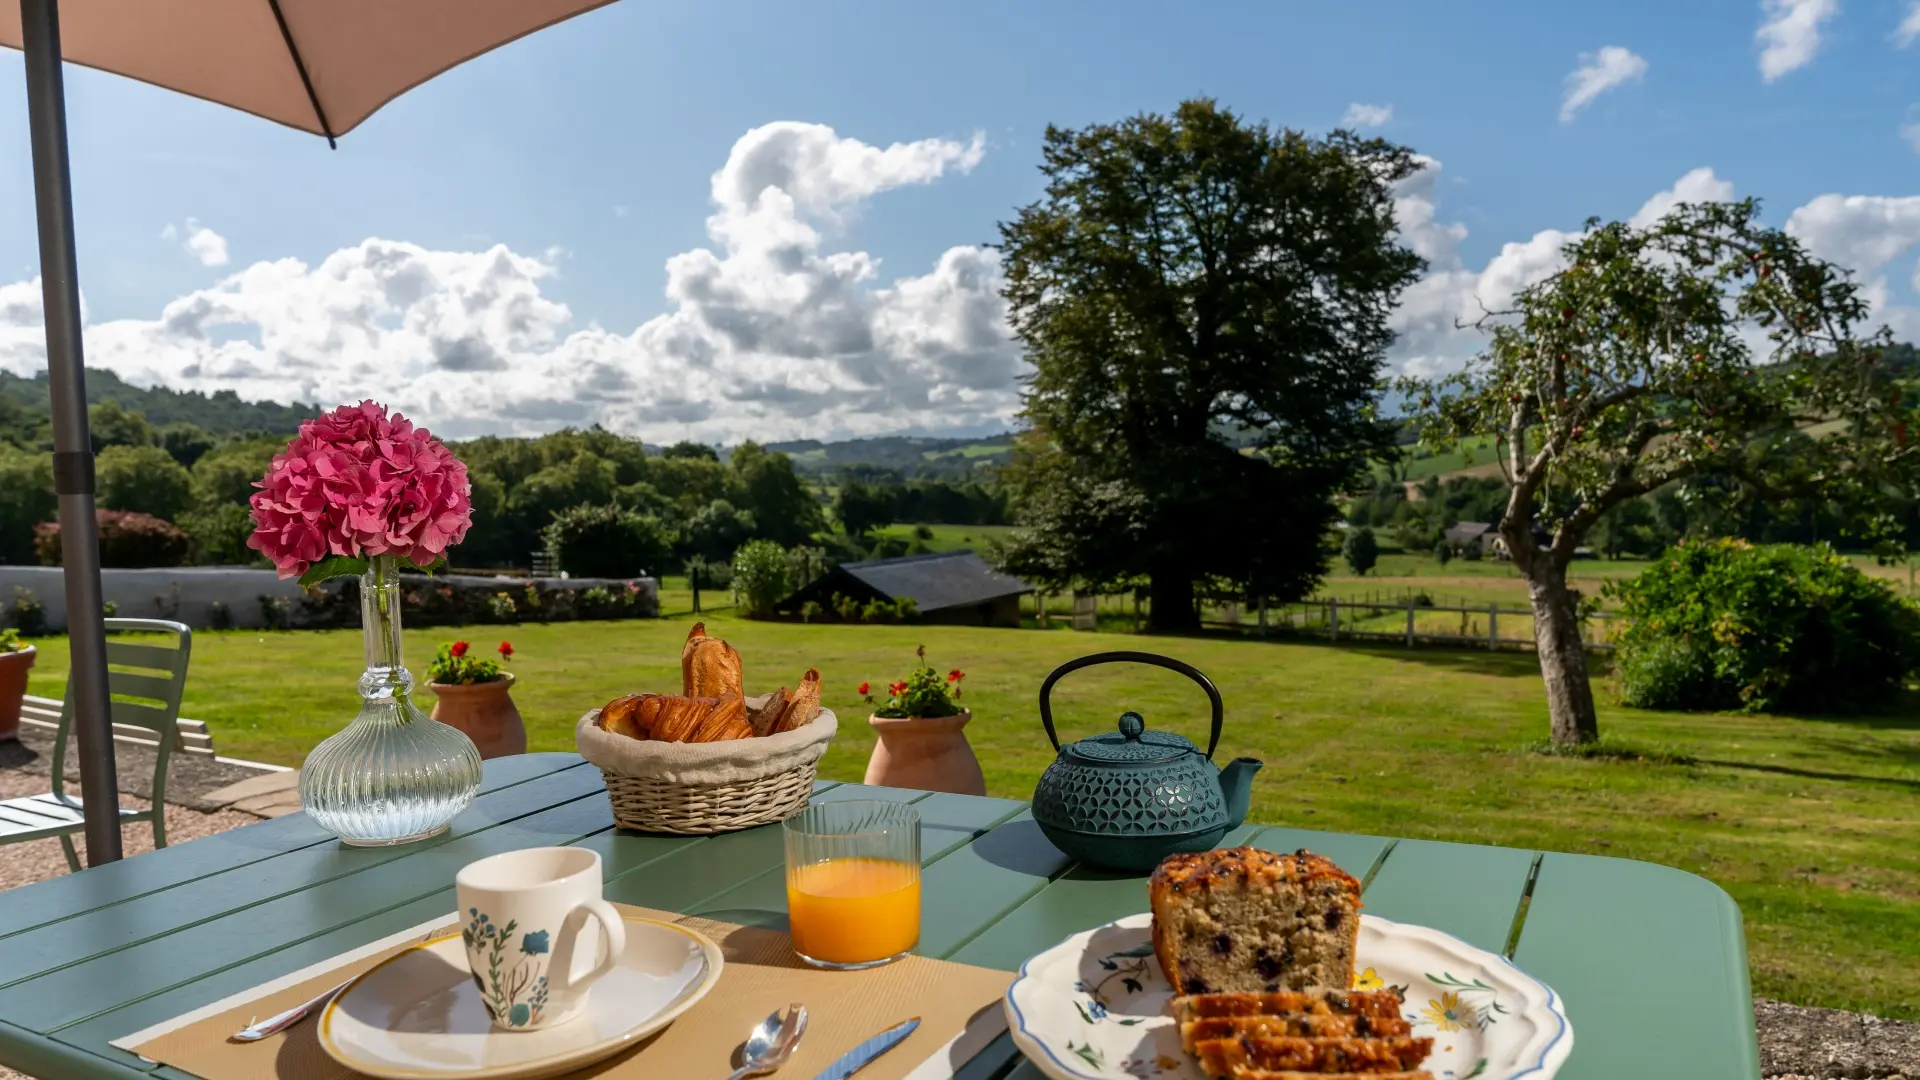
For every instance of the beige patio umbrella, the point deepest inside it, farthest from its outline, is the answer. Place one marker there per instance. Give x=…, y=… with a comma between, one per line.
x=317, y=65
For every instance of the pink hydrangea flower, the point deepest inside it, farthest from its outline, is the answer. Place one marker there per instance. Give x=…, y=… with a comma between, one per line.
x=360, y=482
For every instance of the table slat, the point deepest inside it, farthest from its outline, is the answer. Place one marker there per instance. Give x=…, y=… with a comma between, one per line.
x=1651, y=964
x=69, y=994
x=1354, y=854
x=981, y=882
x=29, y=907
x=1468, y=891
x=107, y=930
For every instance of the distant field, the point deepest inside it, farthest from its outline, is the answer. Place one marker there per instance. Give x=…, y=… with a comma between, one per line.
x=949, y=537
x=1471, y=456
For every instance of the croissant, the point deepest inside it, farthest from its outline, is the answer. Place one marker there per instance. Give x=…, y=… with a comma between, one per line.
x=621, y=716
x=727, y=720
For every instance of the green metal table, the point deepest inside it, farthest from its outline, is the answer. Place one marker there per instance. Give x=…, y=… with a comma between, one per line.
x=1650, y=961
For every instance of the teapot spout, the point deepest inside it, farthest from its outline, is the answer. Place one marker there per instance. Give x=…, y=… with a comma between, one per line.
x=1236, y=784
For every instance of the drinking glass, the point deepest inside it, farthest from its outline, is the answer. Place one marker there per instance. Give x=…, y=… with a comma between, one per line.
x=853, y=883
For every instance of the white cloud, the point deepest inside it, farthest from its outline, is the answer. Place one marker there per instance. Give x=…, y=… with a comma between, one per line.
x=1598, y=73
x=1359, y=115
x=1862, y=232
x=1909, y=28
x=199, y=241
x=1789, y=38
x=771, y=333
x=1699, y=185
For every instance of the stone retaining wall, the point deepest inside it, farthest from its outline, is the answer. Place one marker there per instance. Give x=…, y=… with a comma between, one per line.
x=254, y=599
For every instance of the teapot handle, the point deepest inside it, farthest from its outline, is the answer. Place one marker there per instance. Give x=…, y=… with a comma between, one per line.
x=1046, y=688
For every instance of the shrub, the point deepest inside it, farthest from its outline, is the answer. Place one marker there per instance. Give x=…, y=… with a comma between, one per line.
x=144, y=480
x=810, y=611
x=922, y=532
x=1361, y=549
x=10, y=641
x=846, y=607
x=1442, y=552
x=606, y=541
x=1473, y=551
x=29, y=614
x=882, y=611
x=1727, y=625
x=502, y=607
x=219, y=616
x=128, y=541
x=276, y=612
x=762, y=576
x=26, y=498
x=220, y=534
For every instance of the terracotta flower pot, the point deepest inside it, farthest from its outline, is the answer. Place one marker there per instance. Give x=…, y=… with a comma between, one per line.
x=926, y=754
x=13, y=687
x=485, y=712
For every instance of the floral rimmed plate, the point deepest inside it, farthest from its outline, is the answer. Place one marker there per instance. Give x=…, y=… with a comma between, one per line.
x=1094, y=1007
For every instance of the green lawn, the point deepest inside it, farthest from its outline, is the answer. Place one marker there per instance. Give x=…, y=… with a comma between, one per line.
x=949, y=537
x=1809, y=823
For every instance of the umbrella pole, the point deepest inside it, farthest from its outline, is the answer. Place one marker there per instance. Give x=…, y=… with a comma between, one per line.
x=72, y=448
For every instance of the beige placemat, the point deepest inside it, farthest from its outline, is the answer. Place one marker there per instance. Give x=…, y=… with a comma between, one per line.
x=958, y=1006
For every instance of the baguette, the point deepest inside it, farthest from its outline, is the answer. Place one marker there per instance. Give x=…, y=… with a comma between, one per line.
x=804, y=706
x=714, y=670
x=766, y=719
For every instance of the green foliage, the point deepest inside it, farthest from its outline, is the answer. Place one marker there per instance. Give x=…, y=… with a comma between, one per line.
x=111, y=425
x=1204, y=366
x=127, y=541
x=606, y=541
x=219, y=616
x=501, y=606
x=220, y=534
x=1725, y=625
x=26, y=500
x=718, y=530
x=221, y=412
x=921, y=532
x=783, y=510
x=455, y=665
x=1442, y=552
x=887, y=612
x=10, y=641
x=861, y=508
x=143, y=480
x=811, y=611
x=276, y=612
x=1360, y=549
x=28, y=614
x=845, y=607
x=187, y=442
x=687, y=449
x=762, y=577
x=924, y=693
x=226, y=474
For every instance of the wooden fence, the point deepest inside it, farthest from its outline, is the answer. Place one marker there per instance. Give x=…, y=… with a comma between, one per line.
x=1409, y=620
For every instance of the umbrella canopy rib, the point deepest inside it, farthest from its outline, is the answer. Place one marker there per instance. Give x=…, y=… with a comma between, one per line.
x=300, y=65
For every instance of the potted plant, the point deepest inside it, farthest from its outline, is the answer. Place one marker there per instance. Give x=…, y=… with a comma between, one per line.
x=922, y=742
x=16, y=657
x=474, y=695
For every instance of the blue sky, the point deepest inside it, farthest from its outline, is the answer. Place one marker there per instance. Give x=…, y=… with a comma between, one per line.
x=588, y=152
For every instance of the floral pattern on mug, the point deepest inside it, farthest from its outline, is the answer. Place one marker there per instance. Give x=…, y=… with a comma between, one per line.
x=515, y=986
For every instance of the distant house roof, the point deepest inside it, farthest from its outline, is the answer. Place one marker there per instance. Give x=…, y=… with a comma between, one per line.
x=1468, y=532
x=944, y=580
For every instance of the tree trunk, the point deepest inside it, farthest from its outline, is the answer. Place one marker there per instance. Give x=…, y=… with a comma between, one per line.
x=1172, y=597
x=1563, y=661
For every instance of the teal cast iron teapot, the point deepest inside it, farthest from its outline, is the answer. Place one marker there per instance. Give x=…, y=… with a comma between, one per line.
x=1127, y=799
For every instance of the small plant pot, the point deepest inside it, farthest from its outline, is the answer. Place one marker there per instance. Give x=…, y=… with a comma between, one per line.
x=485, y=712
x=925, y=754
x=13, y=688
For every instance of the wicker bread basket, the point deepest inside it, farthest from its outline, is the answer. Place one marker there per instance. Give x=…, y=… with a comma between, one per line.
x=694, y=789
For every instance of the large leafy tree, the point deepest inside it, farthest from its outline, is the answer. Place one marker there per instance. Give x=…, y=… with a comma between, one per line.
x=1704, y=352
x=1205, y=304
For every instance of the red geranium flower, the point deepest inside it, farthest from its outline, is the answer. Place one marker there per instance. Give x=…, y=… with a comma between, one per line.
x=459, y=649
x=506, y=650
x=861, y=690
x=896, y=689
x=956, y=675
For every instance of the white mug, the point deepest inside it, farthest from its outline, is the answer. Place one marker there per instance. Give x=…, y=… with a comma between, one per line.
x=523, y=913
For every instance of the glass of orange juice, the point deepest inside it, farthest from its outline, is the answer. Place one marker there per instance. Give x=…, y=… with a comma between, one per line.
x=853, y=883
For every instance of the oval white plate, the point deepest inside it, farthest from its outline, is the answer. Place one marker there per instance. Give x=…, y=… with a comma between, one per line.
x=418, y=1015
x=1094, y=1007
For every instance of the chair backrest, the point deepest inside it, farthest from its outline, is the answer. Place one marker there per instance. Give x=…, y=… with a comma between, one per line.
x=145, y=678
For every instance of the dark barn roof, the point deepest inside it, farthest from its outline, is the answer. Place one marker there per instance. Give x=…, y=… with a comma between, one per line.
x=948, y=579
x=1468, y=532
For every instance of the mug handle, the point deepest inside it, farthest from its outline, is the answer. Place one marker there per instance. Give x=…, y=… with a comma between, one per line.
x=562, y=985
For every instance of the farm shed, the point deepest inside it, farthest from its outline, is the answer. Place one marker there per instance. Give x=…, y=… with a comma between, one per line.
x=950, y=587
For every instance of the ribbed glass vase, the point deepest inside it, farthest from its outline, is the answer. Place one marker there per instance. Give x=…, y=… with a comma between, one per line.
x=392, y=776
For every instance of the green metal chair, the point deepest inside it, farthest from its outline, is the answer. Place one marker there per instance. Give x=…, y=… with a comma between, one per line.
x=145, y=679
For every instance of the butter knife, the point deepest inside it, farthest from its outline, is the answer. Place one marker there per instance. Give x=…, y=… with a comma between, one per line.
x=855, y=1059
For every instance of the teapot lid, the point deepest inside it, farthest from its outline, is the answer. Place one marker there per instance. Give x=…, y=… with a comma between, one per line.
x=1133, y=743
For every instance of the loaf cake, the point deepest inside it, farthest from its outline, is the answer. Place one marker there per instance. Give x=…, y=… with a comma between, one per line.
x=1243, y=920
x=1238, y=1059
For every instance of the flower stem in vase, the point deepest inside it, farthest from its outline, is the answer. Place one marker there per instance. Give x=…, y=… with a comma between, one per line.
x=392, y=776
